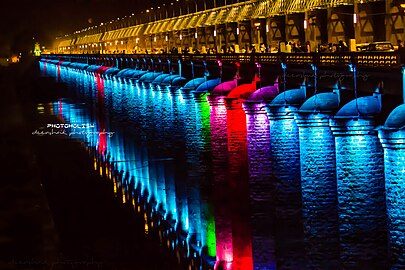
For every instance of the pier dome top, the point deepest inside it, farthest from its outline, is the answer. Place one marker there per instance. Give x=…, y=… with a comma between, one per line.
x=323, y=102
x=363, y=106
x=396, y=119
x=290, y=97
x=266, y=93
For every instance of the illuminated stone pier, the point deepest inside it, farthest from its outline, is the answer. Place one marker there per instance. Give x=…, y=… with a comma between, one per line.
x=360, y=184
x=285, y=166
x=392, y=137
x=318, y=180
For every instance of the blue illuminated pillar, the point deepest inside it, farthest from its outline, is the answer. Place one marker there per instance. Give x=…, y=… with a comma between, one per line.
x=285, y=154
x=194, y=173
x=318, y=180
x=178, y=151
x=261, y=186
x=392, y=137
x=360, y=184
x=165, y=128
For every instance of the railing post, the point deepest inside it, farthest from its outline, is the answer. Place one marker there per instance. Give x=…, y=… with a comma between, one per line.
x=284, y=67
x=220, y=69
x=179, y=62
x=206, y=73
x=160, y=65
x=403, y=84
x=315, y=68
x=259, y=67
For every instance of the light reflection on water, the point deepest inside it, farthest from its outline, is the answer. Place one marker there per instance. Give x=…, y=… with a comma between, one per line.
x=200, y=167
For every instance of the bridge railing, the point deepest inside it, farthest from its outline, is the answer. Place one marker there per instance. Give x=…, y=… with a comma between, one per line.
x=359, y=59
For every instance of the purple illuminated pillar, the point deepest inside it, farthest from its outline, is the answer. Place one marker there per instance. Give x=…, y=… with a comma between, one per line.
x=222, y=194
x=261, y=186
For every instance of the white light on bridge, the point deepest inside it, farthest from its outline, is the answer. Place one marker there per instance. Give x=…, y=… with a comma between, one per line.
x=355, y=20
x=305, y=24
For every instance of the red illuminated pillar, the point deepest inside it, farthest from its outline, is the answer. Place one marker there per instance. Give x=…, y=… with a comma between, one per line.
x=239, y=183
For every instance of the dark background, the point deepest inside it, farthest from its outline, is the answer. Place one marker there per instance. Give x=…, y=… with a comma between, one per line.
x=24, y=22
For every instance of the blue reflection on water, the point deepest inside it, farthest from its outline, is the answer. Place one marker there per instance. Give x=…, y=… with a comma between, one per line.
x=152, y=128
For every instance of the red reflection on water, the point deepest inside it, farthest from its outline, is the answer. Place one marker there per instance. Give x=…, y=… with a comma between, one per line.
x=60, y=103
x=102, y=140
x=59, y=71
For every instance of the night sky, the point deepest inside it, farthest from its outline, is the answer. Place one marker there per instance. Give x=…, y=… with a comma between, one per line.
x=22, y=20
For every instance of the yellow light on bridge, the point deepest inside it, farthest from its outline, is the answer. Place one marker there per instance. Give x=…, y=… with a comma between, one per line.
x=402, y=6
